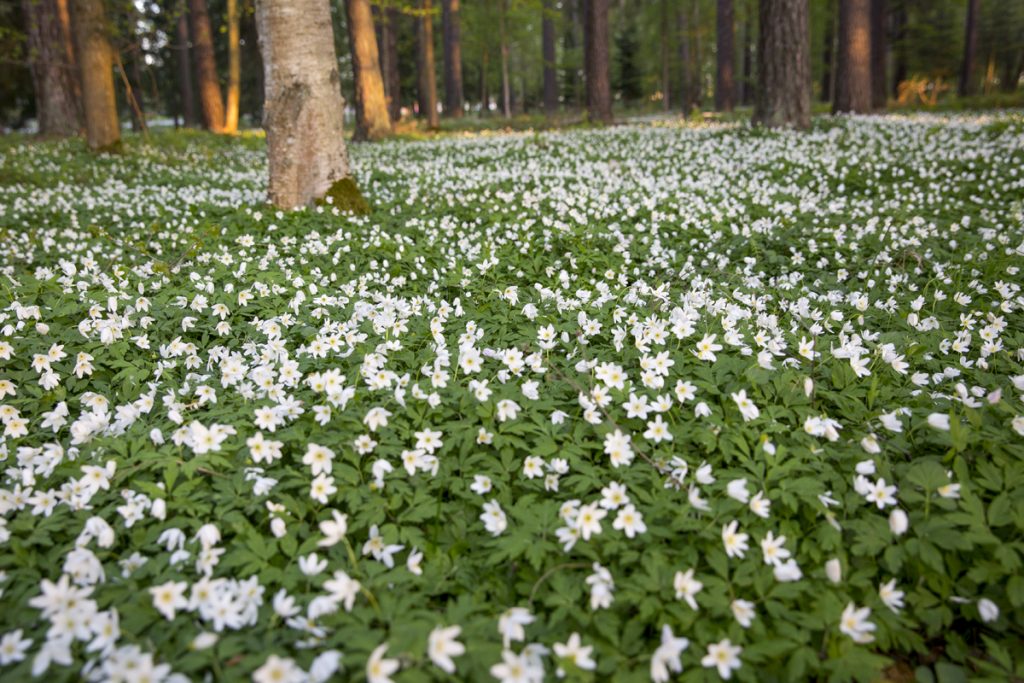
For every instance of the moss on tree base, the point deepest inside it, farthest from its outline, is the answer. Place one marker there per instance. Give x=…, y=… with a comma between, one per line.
x=345, y=195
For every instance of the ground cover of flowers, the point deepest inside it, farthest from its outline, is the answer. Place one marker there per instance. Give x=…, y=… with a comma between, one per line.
x=648, y=403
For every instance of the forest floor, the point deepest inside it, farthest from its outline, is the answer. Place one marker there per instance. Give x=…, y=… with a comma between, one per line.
x=610, y=402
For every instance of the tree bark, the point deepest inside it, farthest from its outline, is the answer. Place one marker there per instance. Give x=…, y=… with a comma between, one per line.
x=599, y=92
x=666, y=72
x=303, y=111
x=970, y=48
x=132, y=75
x=186, y=88
x=879, y=53
x=828, y=53
x=725, y=85
x=389, y=23
x=784, y=65
x=685, y=67
x=900, y=56
x=853, y=80
x=425, y=64
x=373, y=122
x=506, y=87
x=485, y=96
x=747, y=82
x=54, y=70
x=96, y=65
x=234, y=93
x=450, y=26
x=210, y=102
x=550, y=58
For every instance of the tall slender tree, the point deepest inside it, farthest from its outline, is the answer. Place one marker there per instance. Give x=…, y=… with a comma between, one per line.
x=966, y=86
x=303, y=111
x=879, y=53
x=828, y=55
x=390, y=21
x=784, y=64
x=373, y=121
x=901, y=55
x=450, y=27
x=664, y=28
x=96, y=66
x=685, y=66
x=53, y=67
x=183, y=55
x=550, y=59
x=426, y=70
x=747, y=79
x=234, y=91
x=506, y=86
x=599, y=91
x=211, y=103
x=725, y=84
x=853, y=80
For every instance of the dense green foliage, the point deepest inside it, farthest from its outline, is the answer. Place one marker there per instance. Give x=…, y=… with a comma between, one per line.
x=814, y=344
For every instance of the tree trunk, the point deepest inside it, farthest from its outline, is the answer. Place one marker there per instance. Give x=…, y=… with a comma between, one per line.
x=425, y=64
x=599, y=90
x=853, y=80
x=784, y=65
x=485, y=96
x=96, y=65
x=453, y=97
x=725, y=85
x=132, y=76
x=210, y=102
x=54, y=70
x=879, y=53
x=970, y=48
x=506, y=87
x=900, y=57
x=389, y=23
x=550, y=58
x=234, y=70
x=828, y=53
x=303, y=111
x=570, y=71
x=666, y=72
x=685, y=67
x=185, y=86
x=698, y=74
x=373, y=122
x=747, y=84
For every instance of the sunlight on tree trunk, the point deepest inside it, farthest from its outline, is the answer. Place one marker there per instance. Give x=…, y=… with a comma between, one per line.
x=96, y=64
x=373, y=122
x=853, y=80
x=388, y=51
x=303, y=111
x=210, y=102
x=234, y=70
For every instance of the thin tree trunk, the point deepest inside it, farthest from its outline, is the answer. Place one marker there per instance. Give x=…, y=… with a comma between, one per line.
x=453, y=97
x=853, y=80
x=550, y=59
x=183, y=53
x=234, y=93
x=485, y=96
x=588, y=50
x=373, y=122
x=685, y=67
x=54, y=70
x=425, y=64
x=900, y=56
x=303, y=112
x=389, y=23
x=666, y=72
x=747, y=86
x=210, y=101
x=598, y=76
x=828, y=53
x=96, y=64
x=725, y=86
x=970, y=48
x=698, y=64
x=879, y=53
x=784, y=65
x=506, y=87
x=570, y=71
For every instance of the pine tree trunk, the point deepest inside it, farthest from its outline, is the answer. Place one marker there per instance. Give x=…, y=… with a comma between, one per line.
x=570, y=72
x=54, y=70
x=210, y=102
x=183, y=52
x=725, y=85
x=685, y=66
x=550, y=58
x=389, y=23
x=598, y=77
x=879, y=53
x=666, y=73
x=485, y=96
x=698, y=75
x=425, y=64
x=303, y=111
x=373, y=122
x=900, y=56
x=450, y=25
x=96, y=65
x=828, y=53
x=506, y=87
x=853, y=79
x=747, y=84
x=784, y=65
x=970, y=48
x=234, y=93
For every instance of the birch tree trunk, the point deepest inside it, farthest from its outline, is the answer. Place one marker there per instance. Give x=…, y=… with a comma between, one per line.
x=51, y=57
x=784, y=65
x=210, y=101
x=234, y=70
x=373, y=122
x=450, y=27
x=853, y=80
x=303, y=110
x=96, y=64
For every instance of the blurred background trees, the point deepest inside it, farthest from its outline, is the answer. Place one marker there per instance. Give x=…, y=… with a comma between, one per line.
x=196, y=63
